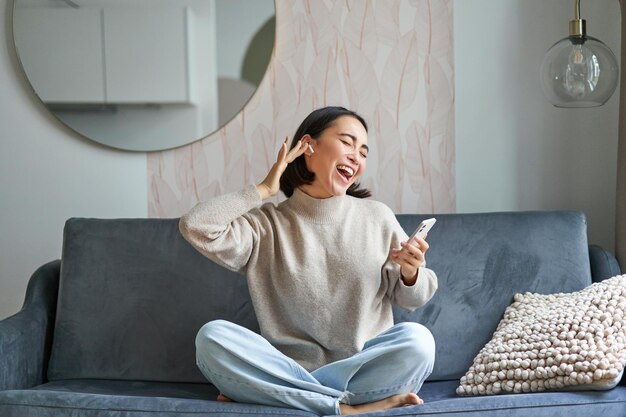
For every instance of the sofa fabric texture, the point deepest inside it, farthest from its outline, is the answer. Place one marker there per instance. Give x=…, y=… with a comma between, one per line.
x=118, y=339
x=26, y=337
x=481, y=261
x=145, y=399
x=134, y=295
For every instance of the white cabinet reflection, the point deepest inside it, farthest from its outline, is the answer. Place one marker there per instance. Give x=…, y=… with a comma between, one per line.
x=144, y=74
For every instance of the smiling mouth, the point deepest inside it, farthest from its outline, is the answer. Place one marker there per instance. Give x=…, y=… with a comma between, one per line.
x=345, y=172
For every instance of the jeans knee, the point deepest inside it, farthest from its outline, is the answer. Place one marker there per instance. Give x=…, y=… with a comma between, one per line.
x=419, y=342
x=207, y=339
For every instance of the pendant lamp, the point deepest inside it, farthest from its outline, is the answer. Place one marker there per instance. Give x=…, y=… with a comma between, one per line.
x=580, y=70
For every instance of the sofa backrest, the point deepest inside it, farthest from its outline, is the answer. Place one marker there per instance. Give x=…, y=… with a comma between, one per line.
x=481, y=261
x=133, y=293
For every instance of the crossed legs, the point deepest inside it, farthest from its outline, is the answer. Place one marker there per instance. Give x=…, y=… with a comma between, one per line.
x=386, y=373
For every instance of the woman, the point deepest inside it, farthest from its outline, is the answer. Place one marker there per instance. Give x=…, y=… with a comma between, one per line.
x=323, y=268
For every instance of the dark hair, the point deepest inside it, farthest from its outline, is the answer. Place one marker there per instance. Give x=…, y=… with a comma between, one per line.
x=314, y=125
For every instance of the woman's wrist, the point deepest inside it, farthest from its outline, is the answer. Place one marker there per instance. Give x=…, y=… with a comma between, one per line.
x=410, y=281
x=264, y=191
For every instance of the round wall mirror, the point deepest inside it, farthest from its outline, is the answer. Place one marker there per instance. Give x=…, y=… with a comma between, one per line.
x=144, y=75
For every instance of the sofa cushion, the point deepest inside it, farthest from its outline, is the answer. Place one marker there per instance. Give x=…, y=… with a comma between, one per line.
x=482, y=260
x=136, y=399
x=133, y=294
x=189, y=391
x=442, y=401
x=560, y=341
x=91, y=398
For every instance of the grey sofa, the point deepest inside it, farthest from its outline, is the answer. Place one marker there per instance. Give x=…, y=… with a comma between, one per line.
x=109, y=329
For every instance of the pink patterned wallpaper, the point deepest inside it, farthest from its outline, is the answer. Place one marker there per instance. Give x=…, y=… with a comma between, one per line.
x=389, y=60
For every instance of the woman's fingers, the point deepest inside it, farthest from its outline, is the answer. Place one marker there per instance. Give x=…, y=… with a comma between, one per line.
x=411, y=253
x=412, y=250
x=296, y=151
x=287, y=155
x=283, y=151
x=421, y=243
x=408, y=258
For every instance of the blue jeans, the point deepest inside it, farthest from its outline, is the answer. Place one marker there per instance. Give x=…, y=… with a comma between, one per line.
x=247, y=368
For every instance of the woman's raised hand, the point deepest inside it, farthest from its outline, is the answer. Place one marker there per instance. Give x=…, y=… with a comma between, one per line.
x=271, y=184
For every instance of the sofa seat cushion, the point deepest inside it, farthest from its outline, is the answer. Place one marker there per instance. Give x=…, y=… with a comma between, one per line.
x=106, y=398
x=188, y=391
x=99, y=398
x=441, y=400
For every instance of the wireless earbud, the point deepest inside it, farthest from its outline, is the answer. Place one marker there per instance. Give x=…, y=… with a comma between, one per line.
x=310, y=148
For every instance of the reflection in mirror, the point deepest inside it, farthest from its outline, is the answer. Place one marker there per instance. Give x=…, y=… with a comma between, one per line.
x=144, y=75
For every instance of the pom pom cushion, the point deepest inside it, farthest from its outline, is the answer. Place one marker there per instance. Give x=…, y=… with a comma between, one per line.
x=555, y=342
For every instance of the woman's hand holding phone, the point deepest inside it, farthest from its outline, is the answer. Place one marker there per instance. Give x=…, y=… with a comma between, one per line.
x=411, y=255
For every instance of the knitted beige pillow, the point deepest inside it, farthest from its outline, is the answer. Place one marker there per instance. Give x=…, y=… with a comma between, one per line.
x=555, y=342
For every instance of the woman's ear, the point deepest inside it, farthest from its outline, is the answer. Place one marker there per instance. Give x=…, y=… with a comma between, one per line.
x=308, y=140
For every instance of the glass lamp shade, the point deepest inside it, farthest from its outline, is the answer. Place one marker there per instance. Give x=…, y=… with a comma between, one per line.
x=579, y=71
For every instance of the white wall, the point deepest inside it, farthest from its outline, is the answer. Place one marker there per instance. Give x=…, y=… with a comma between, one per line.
x=514, y=150
x=48, y=174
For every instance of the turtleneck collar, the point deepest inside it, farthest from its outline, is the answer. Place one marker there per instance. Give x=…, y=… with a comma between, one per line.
x=318, y=210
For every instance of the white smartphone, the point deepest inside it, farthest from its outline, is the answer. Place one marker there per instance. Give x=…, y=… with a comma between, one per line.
x=423, y=228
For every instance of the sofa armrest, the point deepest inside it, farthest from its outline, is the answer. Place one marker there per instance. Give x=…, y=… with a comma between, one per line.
x=26, y=337
x=603, y=263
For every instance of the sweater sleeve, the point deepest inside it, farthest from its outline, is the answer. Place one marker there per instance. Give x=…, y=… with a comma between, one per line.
x=220, y=230
x=408, y=297
x=416, y=295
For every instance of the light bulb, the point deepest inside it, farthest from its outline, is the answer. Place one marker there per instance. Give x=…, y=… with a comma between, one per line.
x=579, y=72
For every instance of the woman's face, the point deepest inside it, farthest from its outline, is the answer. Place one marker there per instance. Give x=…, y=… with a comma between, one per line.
x=339, y=158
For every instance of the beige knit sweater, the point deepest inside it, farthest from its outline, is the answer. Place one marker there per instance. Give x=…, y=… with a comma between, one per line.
x=318, y=270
